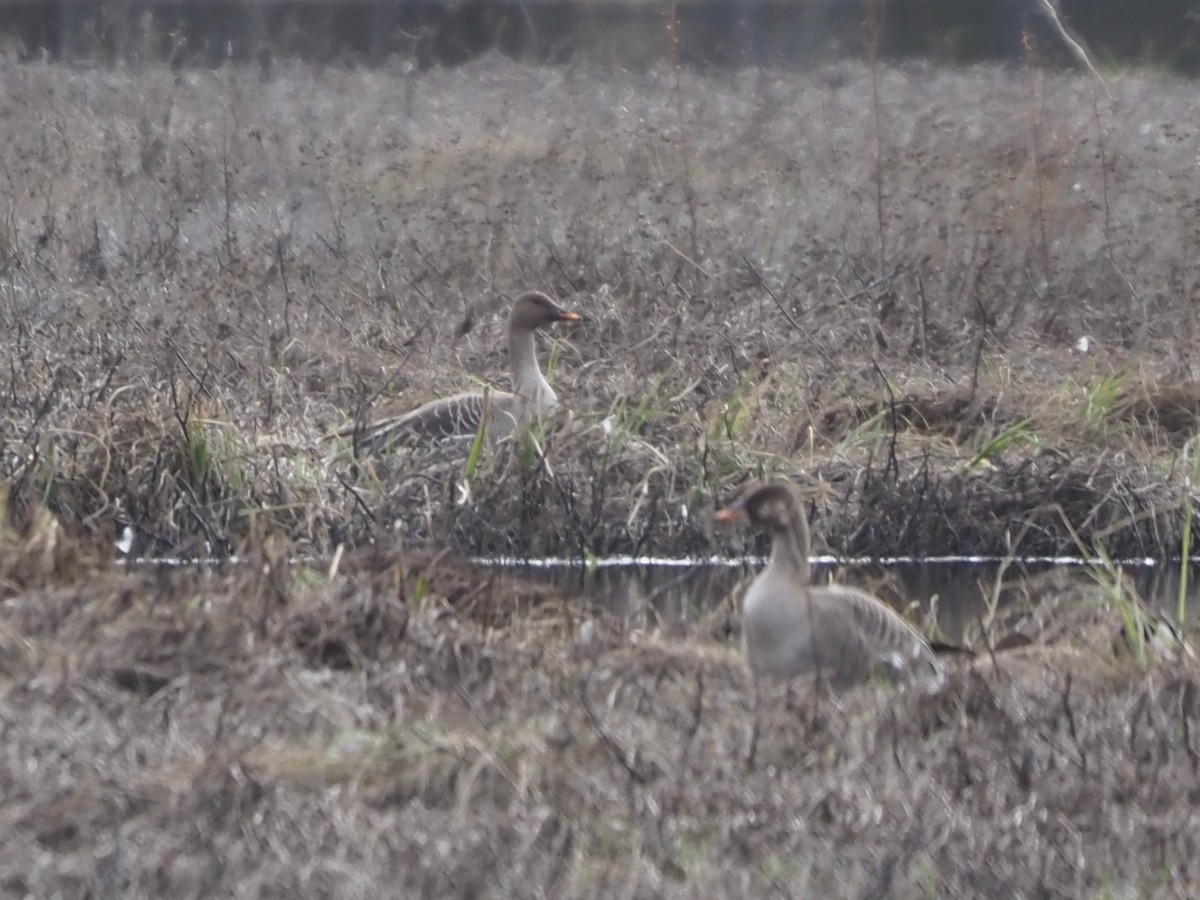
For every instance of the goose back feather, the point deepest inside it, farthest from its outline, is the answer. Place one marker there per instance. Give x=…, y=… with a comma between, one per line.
x=444, y=419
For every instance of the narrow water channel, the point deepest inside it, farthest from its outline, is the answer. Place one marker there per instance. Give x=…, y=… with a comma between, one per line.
x=964, y=597
x=959, y=594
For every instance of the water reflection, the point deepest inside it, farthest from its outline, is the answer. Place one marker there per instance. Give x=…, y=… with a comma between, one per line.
x=963, y=596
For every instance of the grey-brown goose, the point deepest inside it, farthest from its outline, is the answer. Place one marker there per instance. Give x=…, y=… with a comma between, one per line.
x=791, y=628
x=461, y=415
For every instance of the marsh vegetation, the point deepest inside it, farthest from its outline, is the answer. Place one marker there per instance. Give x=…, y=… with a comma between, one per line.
x=963, y=300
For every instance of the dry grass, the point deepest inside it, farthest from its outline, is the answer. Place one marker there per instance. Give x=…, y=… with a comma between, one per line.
x=273, y=730
x=204, y=271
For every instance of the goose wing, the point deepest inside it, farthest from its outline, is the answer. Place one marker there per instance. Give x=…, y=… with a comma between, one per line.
x=887, y=637
x=443, y=419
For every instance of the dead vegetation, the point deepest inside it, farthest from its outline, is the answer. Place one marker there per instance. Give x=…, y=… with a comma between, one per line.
x=325, y=729
x=976, y=329
x=961, y=326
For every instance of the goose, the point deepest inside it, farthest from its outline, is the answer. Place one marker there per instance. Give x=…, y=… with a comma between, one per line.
x=462, y=414
x=791, y=628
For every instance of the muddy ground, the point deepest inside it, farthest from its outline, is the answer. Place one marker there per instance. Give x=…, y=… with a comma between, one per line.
x=961, y=299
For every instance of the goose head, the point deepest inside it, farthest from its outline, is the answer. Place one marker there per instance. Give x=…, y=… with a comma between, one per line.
x=774, y=507
x=534, y=310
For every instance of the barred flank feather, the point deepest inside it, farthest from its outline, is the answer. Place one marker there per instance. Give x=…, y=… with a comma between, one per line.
x=446, y=419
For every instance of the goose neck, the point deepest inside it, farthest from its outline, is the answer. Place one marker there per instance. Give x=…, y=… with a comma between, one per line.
x=522, y=359
x=790, y=549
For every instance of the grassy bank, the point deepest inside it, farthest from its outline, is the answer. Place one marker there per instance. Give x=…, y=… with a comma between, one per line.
x=400, y=719
x=965, y=299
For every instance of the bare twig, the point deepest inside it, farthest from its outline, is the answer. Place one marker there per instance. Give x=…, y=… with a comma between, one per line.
x=1072, y=44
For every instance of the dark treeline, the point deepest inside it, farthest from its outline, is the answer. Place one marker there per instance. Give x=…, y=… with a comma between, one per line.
x=1162, y=33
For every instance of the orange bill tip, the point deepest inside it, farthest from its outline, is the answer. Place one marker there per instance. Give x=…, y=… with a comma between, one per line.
x=566, y=315
x=731, y=514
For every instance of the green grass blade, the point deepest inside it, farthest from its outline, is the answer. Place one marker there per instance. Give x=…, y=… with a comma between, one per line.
x=477, y=445
x=1016, y=433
